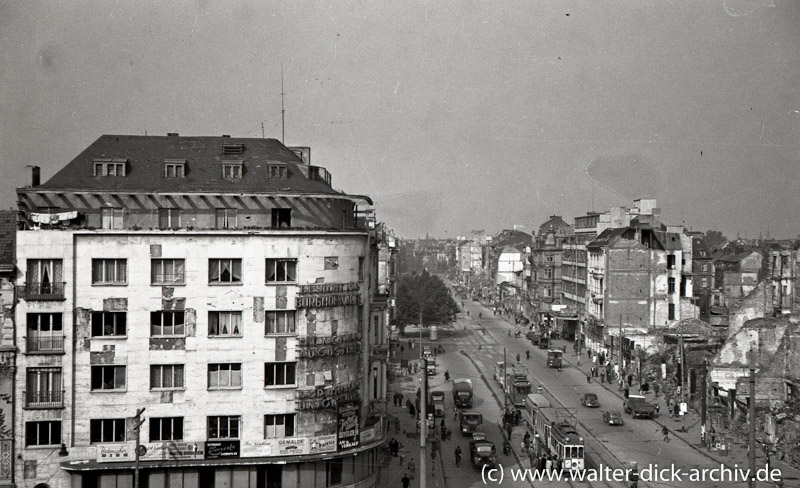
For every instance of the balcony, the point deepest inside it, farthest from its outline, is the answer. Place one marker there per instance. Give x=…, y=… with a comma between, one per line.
x=44, y=399
x=44, y=291
x=44, y=345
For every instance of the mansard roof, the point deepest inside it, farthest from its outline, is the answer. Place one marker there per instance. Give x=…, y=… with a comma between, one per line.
x=203, y=157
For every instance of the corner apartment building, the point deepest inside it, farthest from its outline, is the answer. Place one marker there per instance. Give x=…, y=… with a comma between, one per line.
x=639, y=280
x=546, y=257
x=219, y=283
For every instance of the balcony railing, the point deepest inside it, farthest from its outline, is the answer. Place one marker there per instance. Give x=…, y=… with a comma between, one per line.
x=45, y=344
x=45, y=291
x=44, y=399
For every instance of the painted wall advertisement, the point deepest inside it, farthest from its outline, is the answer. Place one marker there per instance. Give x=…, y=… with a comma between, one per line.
x=348, y=425
x=323, y=443
x=172, y=450
x=289, y=446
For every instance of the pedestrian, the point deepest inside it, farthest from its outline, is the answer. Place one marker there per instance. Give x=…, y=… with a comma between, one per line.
x=627, y=392
x=416, y=403
x=602, y=376
x=406, y=481
x=412, y=411
x=548, y=465
x=588, y=378
x=396, y=425
x=458, y=456
x=518, y=358
x=665, y=433
x=526, y=439
x=656, y=387
x=412, y=467
x=677, y=408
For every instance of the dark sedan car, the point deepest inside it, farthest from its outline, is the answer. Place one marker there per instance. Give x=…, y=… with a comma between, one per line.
x=590, y=400
x=612, y=417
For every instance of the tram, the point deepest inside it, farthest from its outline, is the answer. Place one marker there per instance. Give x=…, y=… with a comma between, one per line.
x=555, y=431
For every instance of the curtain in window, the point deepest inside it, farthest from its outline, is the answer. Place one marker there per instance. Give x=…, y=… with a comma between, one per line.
x=236, y=375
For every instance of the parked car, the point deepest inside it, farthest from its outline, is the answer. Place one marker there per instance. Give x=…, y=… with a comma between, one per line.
x=612, y=417
x=590, y=400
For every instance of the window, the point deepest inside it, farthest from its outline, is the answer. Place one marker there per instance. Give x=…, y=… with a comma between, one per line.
x=281, y=218
x=670, y=285
x=109, y=271
x=224, y=427
x=226, y=218
x=43, y=387
x=108, y=378
x=224, y=323
x=276, y=171
x=166, y=376
x=166, y=429
x=225, y=375
x=361, y=268
x=547, y=291
x=109, y=324
x=671, y=312
x=45, y=333
x=109, y=167
x=279, y=374
x=167, y=323
x=548, y=273
x=106, y=430
x=334, y=472
x=45, y=277
x=167, y=271
x=112, y=218
x=174, y=168
x=670, y=261
x=704, y=267
x=276, y=426
x=232, y=170
x=548, y=258
x=280, y=322
x=169, y=218
x=46, y=433
x=232, y=148
x=704, y=282
x=331, y=263
x=224, y=270
x=281, y=270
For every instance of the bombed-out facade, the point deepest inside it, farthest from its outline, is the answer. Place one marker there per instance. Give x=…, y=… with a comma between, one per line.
x=220, y=284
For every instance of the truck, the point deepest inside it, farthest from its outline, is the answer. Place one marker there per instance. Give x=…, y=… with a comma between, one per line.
x=638, y=407
x=482, y=453
x=462, y=392
x=554, y=358
x=469, y=422
x=544, y=341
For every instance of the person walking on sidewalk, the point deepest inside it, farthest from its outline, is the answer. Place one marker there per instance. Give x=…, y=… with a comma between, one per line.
x=458, y=456
x=406, y=481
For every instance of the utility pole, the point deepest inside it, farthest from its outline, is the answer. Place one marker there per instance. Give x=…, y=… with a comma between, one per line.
x=684, y=370
x=752, y=425
x=137, y=427
x=620, y=350
x=505, y=390
x=704, y=405
x=423, y=417
x=283, y=111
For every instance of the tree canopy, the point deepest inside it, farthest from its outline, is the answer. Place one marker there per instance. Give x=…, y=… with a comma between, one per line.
x=427, y=293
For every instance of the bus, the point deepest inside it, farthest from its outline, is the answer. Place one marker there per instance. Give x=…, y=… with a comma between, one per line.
x=554, y=358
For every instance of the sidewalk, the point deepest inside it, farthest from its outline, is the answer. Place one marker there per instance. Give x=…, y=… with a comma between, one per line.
x=738, y=450
x=407, y=462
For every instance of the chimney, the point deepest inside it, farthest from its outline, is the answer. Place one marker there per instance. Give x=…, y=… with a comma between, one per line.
x=36, y=176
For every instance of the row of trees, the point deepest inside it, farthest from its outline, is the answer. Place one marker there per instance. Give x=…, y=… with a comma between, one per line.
x=427, y=294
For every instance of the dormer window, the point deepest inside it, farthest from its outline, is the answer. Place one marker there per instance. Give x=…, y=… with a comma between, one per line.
x=110, y=167
x=232, y=148
x=276, y=171
x=232, y=170
x=174, y=168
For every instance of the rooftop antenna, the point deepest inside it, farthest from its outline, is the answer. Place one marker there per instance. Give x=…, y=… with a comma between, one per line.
x=283, y=111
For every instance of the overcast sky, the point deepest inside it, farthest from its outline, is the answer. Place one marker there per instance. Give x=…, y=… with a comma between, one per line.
x=452, y=115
